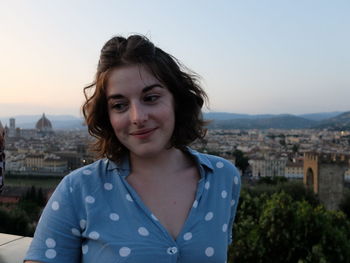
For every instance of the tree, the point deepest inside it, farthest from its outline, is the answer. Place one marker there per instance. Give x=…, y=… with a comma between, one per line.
x=276, y=228
x=15, y=222
x=345, y=204
x=295, y=148
x=242, y=162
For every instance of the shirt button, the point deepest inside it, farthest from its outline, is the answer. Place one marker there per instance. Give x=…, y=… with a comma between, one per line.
x=172, y=250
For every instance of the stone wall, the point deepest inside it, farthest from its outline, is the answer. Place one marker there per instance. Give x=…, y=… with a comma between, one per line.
x=327, y=171
x=331, y=184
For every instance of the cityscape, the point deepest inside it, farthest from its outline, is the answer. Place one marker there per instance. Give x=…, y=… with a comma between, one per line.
x=310, y=165
x=44, y=151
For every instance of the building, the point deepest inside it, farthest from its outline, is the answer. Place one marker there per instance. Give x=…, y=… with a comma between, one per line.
x=324, y=173
x=294, y=169
x=268, y=167
x=44, y=126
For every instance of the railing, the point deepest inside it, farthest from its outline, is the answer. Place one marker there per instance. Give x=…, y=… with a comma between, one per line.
x=13, y=248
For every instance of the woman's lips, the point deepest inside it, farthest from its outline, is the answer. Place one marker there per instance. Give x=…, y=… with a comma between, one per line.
x=143, y=134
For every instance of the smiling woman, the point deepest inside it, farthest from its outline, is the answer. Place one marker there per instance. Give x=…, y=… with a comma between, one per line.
x=141, y=110
x=150, y=198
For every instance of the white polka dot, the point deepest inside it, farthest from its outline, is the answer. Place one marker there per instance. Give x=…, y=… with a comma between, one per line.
x=143, y=231
x=209, y=252
x=129, y=198
x=87, y=172
x=89, y=199
x=50, y=243
x=233, y=201
x=76, y=232
x=235, y=179
x=94, y=235
x=124, y=251
x=219, y=164
x=50, y=253
x=55, y=205
x=195, y=204
x=154, y=217
x=82, y=223
x=114, y=216
x=108, y=186
x=224, y=227
x=207, y=185
x=71, y=189
x=209, y=216
x=85, y=249
x=224, y=194
x=187, y=236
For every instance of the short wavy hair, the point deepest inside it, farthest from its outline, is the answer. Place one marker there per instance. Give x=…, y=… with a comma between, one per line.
x=184, y=85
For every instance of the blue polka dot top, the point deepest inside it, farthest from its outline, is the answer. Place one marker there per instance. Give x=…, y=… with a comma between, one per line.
x=95, y=215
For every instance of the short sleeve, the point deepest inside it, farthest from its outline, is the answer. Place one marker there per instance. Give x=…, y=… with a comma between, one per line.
x=57, y=236
x=236, y=188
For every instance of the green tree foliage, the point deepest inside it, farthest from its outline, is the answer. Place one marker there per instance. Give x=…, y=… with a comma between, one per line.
x=295, y=189
x=14, y=222
x=345, y=203
x=35, y=196
x=295, y=148
x=278, y=228
x=241, y=160
x=20, y=219
x=272, y=180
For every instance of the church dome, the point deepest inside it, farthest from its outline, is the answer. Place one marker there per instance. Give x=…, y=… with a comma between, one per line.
x=44, y=124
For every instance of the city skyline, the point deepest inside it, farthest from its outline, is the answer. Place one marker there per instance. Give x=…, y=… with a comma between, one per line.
x=254, y=57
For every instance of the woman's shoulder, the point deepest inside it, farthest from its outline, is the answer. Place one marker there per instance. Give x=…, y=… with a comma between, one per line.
x=215, y=162
x=89, y=174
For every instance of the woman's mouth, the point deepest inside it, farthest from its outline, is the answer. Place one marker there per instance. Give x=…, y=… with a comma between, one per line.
x=143, y=134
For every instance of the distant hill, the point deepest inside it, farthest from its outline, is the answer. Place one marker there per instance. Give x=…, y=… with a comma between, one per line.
x=277, y=122
x=320, y=116
x=232, y=116
x=220, y=120
x=327, y=120
x=338, y=123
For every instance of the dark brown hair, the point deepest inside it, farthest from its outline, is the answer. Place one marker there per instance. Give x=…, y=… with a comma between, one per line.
x=189, y=97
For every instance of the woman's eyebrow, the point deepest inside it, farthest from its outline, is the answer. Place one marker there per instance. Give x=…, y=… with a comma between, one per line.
x=144, y=90
x=150, y=87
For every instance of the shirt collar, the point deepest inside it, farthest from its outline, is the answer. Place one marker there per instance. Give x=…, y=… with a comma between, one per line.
x=201, y=160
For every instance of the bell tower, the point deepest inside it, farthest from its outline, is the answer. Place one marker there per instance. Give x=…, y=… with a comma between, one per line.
x=324, y=174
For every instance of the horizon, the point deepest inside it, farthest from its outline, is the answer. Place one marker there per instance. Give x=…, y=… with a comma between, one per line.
x=5, y=119
x=253, y=57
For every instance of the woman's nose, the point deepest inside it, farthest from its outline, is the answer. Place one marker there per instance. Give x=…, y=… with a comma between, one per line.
x=138, y=114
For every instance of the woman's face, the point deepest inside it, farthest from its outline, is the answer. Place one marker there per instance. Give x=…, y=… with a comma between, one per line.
x=141, y=110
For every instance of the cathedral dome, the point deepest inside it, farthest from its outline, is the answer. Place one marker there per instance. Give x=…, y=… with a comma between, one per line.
x=44, y=124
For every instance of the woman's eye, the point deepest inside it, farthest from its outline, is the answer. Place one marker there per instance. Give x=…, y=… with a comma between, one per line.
x=119, y=106
x=151, y=98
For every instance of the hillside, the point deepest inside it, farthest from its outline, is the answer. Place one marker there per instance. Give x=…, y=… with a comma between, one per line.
x=276, y=122
x=338, y=123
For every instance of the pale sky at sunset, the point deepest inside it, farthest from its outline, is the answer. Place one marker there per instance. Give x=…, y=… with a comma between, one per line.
x=255, y=57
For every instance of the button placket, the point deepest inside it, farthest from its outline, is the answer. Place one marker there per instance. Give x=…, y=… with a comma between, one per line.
x=172, y=250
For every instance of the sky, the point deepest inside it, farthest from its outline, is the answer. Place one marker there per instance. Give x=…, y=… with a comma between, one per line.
x=254, y=57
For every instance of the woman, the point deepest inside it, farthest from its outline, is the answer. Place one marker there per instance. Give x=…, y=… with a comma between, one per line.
x=152, y=198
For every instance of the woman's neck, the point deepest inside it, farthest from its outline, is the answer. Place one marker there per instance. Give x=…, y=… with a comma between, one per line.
x=169, y=162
